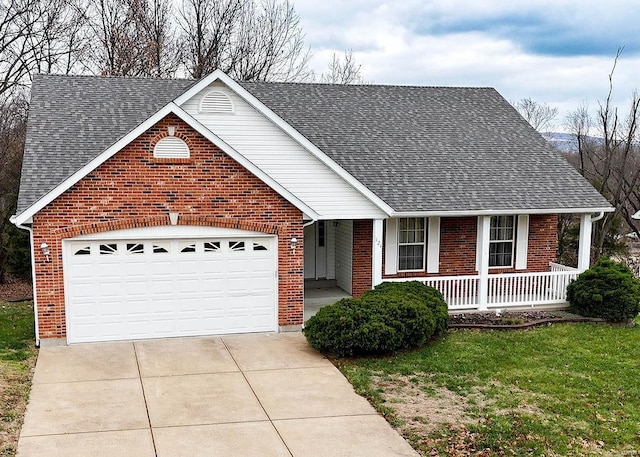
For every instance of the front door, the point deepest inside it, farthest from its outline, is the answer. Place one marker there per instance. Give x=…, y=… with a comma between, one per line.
x=315, y=251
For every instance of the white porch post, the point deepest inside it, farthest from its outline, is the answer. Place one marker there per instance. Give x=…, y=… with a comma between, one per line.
x=584, y=245
x=376, y=260
x=484, y=225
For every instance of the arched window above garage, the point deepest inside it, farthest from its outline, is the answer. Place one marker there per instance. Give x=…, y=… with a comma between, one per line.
x=171, y=147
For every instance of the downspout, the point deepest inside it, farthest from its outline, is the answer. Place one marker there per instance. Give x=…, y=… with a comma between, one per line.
x=598, y=217
x=33, y=277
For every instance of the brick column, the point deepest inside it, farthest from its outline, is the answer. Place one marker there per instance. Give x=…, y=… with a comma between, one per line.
x=362, y=256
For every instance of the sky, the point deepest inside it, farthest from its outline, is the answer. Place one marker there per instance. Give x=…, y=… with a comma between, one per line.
x=556, y=52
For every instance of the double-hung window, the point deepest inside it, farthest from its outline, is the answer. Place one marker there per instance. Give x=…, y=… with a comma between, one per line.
x=501, y=241
x=411, y=243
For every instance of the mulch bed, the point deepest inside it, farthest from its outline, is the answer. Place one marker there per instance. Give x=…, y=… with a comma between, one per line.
x=513, y=320
x=14, y=291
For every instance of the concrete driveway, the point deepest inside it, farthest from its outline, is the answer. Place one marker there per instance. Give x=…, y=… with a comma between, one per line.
x=241, y=395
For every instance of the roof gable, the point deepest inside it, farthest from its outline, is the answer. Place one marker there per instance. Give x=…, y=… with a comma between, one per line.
x=132, y=135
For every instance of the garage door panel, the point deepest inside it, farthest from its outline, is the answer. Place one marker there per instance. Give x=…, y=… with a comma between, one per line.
x=83, y=310
x=137, y=268
x=137, y=288
x=83, y=271
x=161, y=306
x=213, y=286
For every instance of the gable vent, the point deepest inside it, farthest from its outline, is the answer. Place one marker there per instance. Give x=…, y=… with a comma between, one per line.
x=216, y=101
x=171, y=147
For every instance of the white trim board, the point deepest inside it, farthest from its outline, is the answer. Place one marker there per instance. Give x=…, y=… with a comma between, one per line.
x=500, y=212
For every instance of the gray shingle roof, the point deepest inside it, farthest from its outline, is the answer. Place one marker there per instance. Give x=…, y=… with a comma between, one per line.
x=417, y=148
x=432, y=148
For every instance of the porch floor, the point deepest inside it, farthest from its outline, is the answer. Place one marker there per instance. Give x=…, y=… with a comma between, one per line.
x=321, y=292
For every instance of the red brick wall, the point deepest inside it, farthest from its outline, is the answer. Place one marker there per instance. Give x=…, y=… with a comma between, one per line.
x=458, y=237
x=458, y=246
x=362, y=257
x=132, y=189
x=543, y=241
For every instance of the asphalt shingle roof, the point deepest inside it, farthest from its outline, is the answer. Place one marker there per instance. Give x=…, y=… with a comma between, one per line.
x=417, y=148
x=432, y=148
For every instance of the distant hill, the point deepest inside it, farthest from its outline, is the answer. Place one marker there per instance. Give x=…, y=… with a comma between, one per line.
x=564, y=142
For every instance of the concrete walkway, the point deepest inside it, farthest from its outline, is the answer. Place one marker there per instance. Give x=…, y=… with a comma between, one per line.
x=241, y=395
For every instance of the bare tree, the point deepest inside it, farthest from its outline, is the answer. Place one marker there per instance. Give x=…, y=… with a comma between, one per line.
x=161, y=57
x=131, y=38
x=343, y=71
x=30, y=34
x=610, y=160
x=64, y=43
x=539, y=115
x=13, y=121
x=251, y=40
x=206, y=39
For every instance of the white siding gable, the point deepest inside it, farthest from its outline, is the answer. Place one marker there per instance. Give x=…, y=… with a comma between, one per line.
x=282, y=158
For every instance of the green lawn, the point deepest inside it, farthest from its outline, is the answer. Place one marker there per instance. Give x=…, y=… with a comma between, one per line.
x=566, y=389
x=17, y=358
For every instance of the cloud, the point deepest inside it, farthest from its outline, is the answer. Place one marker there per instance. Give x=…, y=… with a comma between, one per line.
x=559, y=53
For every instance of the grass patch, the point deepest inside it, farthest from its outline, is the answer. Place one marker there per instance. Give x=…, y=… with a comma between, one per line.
x=566, y=389
x=17, y=359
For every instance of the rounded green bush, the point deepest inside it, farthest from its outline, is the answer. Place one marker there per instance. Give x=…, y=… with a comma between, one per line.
x=608, y=290
x=390, y=317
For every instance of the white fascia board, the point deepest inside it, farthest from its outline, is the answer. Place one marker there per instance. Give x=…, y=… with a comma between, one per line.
x=501, y=212
x=242, y=160
x=171, y=107
x=289, y=130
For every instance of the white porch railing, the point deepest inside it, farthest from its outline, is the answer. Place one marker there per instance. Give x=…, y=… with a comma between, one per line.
x=558, y=267
x=504, y=290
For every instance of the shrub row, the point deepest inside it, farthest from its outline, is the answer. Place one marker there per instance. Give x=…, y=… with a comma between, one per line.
x=390, y=317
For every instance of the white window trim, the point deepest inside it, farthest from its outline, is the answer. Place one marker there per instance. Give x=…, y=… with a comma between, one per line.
x=522, y=242
x=513, y=245
x=433, y=244
x=424, y=246
x=391, y=246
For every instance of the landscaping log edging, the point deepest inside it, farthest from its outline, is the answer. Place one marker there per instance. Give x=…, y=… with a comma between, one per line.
x=526, y=325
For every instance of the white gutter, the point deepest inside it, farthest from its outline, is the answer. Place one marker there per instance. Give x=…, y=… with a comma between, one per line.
x=501, y=212
x=12, y=219
x=598, y=217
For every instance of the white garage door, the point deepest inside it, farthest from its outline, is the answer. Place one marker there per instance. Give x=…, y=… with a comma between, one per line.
x=152, y=288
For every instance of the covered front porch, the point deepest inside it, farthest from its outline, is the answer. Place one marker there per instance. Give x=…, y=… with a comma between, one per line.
x=328, y=263
x=523, y=283
x=342, y=256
